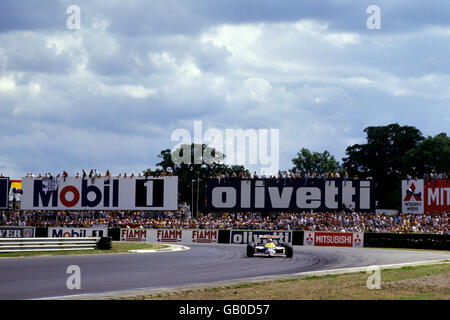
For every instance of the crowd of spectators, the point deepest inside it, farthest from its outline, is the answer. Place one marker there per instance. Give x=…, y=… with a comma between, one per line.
x=433, y=176
x=93, y=174
x=321, y=221
x=285, y=177
x=289, y=174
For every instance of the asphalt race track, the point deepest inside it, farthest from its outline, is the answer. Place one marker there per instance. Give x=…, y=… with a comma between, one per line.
x=45, y=277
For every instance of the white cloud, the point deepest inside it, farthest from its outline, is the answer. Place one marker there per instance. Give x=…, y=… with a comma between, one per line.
x=255, y=89
x=7, y=83
x=138, y=92
x=35, y=88
x=100, y=88
x=320, y=100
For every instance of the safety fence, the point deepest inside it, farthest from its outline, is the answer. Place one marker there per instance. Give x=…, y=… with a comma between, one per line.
x=295, y=237
x=300, y=238
x=47, y=244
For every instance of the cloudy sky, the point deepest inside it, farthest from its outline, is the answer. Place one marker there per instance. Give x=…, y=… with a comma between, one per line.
x=109, y=95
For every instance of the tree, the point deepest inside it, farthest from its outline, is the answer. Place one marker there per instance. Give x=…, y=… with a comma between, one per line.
x=315, y=162
x=192, y=163
x=432, y=154
x=383, y=158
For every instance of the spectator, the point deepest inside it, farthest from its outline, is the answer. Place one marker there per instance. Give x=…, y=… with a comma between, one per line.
x=320, y=221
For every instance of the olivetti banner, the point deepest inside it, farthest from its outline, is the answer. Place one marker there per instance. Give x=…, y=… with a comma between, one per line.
x=249, y=236
x=290, y=195
x=101, y=194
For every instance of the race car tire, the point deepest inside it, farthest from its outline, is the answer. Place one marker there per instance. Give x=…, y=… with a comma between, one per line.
x=250, y=250
x=289, y=250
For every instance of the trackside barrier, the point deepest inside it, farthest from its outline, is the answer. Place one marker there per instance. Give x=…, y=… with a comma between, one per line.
x=249, y=236
x=169, y=235
x=371, y=239
x=17, y=232
x=407, y=240
x=41, y=232
x=114, y=233
x=333, y=239
x=105, y=243
x=81, y=232
x=297, y=238
x=379, y=240
x=47, y=244
x=224, y=236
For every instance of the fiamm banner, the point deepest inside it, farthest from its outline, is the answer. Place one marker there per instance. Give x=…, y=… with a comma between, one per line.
x=290, y=195
x=333, y=239
x=134, y=235
x=154, y=193
x=169, y=235
x=4, y=193
x=432, y=196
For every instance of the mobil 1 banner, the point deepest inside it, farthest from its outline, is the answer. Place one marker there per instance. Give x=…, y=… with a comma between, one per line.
x=155, y=193
x=17, y=232
x=73, y=232
x=247, y=236
x=290, y=195
x=4, y=193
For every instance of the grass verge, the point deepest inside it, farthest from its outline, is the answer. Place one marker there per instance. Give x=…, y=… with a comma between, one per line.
x=117, y=247
x=417, y=283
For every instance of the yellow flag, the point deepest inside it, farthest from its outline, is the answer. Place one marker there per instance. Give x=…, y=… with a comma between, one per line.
x=16, y=184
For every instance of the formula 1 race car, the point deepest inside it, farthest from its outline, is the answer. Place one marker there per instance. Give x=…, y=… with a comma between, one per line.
x=270, y=247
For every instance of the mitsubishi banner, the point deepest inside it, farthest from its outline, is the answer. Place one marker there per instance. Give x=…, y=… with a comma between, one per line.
x=4, y=193
x=270, y=195
x=333, y=239
x=420, y=196
x=155, y=193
